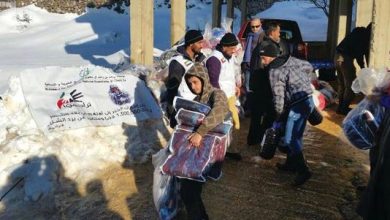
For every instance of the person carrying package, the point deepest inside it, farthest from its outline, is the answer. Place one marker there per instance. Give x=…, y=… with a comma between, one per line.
x=187, y=55
x=367, y=127
x=198, y=143
x=220, y=66
x=290, y=85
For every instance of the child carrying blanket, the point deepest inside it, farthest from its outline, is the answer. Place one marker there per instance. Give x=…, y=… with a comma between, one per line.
x=196, y=149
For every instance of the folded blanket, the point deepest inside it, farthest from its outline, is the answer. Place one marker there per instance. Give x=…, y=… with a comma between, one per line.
x=197, y=163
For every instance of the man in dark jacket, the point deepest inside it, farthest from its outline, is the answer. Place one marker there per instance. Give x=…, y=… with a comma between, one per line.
x=354, y=46
x=197, y=80
x=272, y=32
x=188, y=53
x=263, y=113
x=252, y=39
x=291, y=89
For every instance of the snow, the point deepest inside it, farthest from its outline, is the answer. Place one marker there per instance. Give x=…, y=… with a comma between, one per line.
x=32, y=38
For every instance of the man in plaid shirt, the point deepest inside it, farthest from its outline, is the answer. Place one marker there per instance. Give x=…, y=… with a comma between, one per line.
x=290, y=85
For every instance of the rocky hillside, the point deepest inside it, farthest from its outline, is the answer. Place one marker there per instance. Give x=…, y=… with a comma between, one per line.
x=73, y=6
x=78, y=6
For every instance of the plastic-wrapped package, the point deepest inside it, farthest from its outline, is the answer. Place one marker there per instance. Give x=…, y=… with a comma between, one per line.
x=166, y=57
x=319, y=99
x=368, y=78
x=327, y=90
x=324, y=95
x=186, y=161
x=357, y=128
x=166, y=195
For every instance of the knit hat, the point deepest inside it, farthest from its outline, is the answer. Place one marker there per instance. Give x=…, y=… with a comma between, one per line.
x=269, y=49
x=228, y=40
x=192, y=36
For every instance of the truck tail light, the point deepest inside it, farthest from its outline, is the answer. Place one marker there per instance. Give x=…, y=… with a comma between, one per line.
x=302, y=50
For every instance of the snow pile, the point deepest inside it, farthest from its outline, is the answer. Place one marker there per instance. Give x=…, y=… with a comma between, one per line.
x=82, y=152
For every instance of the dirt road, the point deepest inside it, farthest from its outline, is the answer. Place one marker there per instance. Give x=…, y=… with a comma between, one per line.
x=249, y=189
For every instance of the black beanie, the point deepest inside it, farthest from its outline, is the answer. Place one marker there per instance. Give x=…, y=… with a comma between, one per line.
x=228, y=40
x=192, y=36
x=269, y=49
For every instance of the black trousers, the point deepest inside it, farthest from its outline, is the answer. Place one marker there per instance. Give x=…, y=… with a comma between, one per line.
x=346, y=74
x=190, y=193
x=262, y=117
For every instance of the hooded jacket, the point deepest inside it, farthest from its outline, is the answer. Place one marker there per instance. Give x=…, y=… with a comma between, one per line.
x=290, y=82
x=215, y=98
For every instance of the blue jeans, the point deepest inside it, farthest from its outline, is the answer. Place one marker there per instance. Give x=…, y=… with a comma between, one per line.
x=247, y=78
x=296, y=123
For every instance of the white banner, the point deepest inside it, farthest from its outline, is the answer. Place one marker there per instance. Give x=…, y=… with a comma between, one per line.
x=67, y=98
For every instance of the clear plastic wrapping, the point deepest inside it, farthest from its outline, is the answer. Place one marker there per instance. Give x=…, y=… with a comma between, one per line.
x=358, y=128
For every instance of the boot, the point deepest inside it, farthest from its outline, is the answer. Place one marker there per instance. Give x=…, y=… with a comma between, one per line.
x=233, y=156
x=288, y=166
x=284, y=149
x=303, y=172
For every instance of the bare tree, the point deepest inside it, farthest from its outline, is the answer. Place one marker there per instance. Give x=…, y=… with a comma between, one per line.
x=323, y=5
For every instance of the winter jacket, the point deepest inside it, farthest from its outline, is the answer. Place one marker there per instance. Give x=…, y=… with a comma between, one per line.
x=213, y=97
x=177, y=70
x=356, y=45
x=282, y=44
x=290, y=81
x=252, y=40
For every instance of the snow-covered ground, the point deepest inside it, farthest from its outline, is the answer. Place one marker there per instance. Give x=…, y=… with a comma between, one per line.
x=31, y=38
